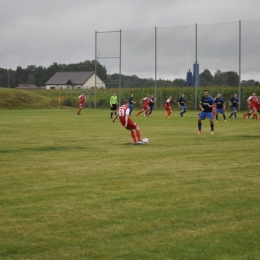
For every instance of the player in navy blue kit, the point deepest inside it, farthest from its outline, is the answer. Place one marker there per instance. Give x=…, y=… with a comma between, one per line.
x=182, y=105
x=233, y=103
x=131, y=102
x=220, y=106
x=206, y=104
x=151, y=103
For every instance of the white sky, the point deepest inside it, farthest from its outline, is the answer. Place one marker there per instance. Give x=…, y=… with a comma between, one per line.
x=37, y=32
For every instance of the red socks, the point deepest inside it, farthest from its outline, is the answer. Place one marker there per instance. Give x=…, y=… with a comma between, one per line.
x=138, y=134
x=133, y=136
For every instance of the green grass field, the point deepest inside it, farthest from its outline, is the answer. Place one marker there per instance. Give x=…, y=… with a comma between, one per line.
x=75, y=187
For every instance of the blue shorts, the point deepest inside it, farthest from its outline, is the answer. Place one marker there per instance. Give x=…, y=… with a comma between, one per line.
x=234, y=109
x=203, y=115
x=151, y=108
x=183, y=108
x=130, y=106
x=220, y=110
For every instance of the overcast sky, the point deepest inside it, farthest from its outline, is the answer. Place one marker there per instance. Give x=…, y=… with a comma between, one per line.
x=40, y=32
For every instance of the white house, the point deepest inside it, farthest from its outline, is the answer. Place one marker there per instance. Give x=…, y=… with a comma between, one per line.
x=74, y=80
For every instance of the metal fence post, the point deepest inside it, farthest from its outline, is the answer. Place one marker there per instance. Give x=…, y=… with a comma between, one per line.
x=239, y=84
x=155, y=70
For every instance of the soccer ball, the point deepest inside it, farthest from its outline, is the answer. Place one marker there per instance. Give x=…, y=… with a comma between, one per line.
x=145, y=141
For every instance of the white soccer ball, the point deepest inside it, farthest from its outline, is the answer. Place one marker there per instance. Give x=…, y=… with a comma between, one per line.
x=145, y=141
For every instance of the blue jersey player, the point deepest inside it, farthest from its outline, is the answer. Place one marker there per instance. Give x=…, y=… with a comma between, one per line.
x=182, y=105
x=220, y=106
x=206, y=104
x=130, y=103
x=233, y=102
x=151, y=103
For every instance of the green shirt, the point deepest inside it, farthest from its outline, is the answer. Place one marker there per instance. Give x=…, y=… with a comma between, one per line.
x=113, y=100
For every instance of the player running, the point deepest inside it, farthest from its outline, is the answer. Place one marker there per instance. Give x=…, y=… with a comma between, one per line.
x=123, y=114
x=82, y=99
x=220, y=106
x=182, y=105
x=258, y=105
x=206, y=104
x=253, y=103
x=130, y=103
x=233, y=102
x=168, y=107
x=146, y=107
x=151, y=103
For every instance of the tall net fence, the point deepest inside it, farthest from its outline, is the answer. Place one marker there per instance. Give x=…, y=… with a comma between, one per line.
x=168, y=53
x=173, y=50
x=250, y=50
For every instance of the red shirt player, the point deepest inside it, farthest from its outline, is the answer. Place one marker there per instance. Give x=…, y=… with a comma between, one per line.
x=214, y=110
x=123, y=114
x=253, y=104
x=82, y=99
x=258, y=105
x=168, y=107
x=145, y=106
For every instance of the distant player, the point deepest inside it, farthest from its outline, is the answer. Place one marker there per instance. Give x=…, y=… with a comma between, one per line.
x=81, y=99
x=233, y=102
x=168, y=107
x=206, y=104
x=253, y=104
x=151, y=103
x=113, y=104
x=126, y=122
x=258, y=105
x=146, y=107
x=182, y=105
x=214, y=111
x=220, y=106
x=130, y=103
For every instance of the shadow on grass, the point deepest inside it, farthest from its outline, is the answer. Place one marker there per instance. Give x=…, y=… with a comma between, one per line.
x=249, y=136
x=42, y=149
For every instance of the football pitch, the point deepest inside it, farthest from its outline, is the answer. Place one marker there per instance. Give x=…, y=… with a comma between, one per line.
x=75, y=187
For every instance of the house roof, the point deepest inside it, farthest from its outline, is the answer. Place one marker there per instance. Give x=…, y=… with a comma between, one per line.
x=70, y=78
x=26, y=86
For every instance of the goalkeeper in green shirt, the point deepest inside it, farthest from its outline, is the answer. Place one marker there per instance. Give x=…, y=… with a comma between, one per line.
x=113, y=103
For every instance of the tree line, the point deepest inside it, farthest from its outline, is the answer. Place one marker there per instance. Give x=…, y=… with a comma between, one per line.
x=40, y=75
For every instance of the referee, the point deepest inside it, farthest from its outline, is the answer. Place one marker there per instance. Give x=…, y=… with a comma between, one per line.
x=113, y=103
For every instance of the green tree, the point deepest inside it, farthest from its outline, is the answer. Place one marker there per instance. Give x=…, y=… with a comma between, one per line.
x=250, y=83
x=179, y=82
x=206, y=78
x=232, y=78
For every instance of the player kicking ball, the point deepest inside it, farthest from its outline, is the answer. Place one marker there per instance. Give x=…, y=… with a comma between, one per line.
x=123, y=114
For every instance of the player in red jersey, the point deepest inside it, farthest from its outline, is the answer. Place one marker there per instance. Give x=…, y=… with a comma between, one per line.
x=146, y=107
x=82, y=99
x=214, y=110
x=258, y=105
x=253, y=103
x=168, y=107
x=123, y=114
